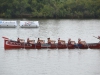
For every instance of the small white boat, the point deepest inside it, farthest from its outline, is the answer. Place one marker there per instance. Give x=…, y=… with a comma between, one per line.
x=29, y=24
x=8, y=24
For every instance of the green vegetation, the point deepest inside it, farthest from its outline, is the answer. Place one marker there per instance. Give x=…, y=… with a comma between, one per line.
x=50, y=8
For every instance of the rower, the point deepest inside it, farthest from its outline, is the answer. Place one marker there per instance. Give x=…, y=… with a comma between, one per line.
x=40, y=41
x=28, y=40
x=61, y=41
x=69, y=41
x=58, y=40
x=18, y=40
x=79, y=42
x=51, y=41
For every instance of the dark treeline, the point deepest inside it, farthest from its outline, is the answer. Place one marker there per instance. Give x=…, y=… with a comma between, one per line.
x=50, y=8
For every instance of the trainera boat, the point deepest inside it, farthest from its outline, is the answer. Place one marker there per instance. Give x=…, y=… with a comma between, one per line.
x=29, y=24
x=31, y=44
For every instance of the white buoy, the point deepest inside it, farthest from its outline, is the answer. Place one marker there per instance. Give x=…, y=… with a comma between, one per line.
x=8, y=24
x=29, y=24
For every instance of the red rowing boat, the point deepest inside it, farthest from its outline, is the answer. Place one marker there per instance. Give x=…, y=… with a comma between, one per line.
x=30, y=44
x=94, y=45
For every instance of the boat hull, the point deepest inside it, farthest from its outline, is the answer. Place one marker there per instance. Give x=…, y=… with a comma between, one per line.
x=29, y=24
x=94, y=45
x=16, y=45
x=10, y=44
x=71, y=46
x=62, y=46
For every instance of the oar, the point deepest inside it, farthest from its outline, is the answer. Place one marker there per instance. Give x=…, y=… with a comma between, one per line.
x=96, y=37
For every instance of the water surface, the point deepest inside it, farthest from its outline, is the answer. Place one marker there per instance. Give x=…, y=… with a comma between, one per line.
x=48, y=61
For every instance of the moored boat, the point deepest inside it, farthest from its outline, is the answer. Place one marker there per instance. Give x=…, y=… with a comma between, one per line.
x=8, y=24
x=29, y=24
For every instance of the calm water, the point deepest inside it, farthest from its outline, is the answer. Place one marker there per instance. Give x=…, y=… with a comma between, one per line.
x=48, y=61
